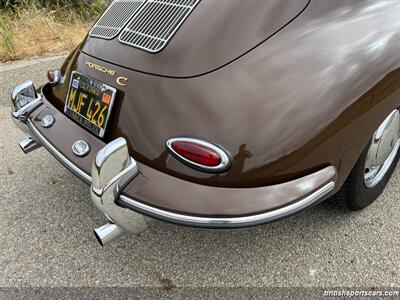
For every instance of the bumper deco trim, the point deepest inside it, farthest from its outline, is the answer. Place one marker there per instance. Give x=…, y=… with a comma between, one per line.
x=229, y=223
x=189, y=220
x=113, y=169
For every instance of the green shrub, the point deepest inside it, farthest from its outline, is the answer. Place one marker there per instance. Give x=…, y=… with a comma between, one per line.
x=6, y=37
x=86, y=8
x=27, y=25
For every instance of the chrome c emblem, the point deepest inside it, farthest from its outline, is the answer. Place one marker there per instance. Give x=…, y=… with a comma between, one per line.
x=122, y=80
x=81, y=148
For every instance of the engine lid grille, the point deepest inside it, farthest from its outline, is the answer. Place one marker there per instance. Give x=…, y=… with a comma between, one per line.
x=115, y=18
x=155, y=24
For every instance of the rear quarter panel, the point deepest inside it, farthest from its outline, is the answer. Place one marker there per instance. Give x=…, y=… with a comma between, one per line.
x=308, y=97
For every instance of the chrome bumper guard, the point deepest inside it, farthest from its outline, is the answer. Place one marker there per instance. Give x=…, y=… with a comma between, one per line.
x=24, y=100
x=113, y=169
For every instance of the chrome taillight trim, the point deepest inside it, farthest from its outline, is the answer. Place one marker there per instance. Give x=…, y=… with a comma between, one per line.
x=154, y=25
x=224, y=154
x=115, y=18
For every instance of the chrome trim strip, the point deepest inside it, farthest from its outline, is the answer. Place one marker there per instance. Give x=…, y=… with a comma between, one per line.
x=188, y=220
x=235, y=222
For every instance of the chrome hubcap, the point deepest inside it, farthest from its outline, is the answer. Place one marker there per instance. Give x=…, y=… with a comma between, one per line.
x=383, y=150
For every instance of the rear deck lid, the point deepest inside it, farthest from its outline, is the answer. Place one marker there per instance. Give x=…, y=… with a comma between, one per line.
x=185, y=38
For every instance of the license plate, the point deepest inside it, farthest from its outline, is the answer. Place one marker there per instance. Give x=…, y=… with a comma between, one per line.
x=89, y=103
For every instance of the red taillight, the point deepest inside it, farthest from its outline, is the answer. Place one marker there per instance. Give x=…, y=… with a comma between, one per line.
x=51, y=75
x=54, y=76
x=199, y=154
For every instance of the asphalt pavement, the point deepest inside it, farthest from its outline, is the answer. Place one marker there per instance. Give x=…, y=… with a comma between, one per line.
x=47, y=219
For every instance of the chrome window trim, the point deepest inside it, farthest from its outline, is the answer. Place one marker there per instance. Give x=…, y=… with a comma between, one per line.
x=190, y=220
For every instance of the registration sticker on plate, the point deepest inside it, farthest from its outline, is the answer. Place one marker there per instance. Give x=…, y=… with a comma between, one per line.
x=89, y=103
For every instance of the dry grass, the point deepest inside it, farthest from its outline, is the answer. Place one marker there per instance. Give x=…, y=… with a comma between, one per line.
x=38, y=32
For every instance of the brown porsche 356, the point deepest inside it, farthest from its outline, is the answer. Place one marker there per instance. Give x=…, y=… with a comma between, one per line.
x=224, y=114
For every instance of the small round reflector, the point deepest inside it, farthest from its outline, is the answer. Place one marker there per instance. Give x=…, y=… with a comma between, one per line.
x=199, y=154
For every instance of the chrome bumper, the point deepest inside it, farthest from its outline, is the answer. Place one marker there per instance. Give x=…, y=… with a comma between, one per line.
x=113, y=169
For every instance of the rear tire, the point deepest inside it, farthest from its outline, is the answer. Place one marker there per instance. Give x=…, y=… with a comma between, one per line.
x=374, y=167
x=354, y=195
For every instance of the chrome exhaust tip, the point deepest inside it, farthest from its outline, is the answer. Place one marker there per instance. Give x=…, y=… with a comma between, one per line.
x=28, y=145
x=107, y=233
